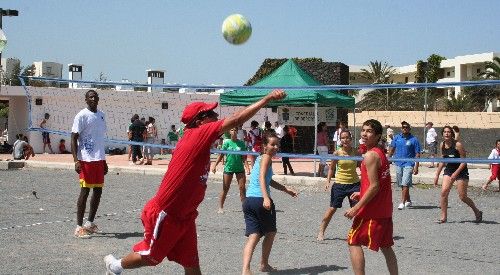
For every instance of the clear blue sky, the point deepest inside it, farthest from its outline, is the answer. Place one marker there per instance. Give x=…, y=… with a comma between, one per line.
x=123, y=39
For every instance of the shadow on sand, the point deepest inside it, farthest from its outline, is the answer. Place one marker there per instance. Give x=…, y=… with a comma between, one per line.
x=120, y=236
x=310, y=270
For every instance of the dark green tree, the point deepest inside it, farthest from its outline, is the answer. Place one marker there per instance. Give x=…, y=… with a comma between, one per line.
x=492, y=69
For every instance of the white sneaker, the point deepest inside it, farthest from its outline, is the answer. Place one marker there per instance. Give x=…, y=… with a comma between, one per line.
x=408, y=204
x=401, y=206
x=91, y=227
x=108, y=260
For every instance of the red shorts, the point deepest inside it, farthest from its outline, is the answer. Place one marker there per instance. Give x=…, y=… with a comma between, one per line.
x=495, y=172
x=165, y=236
x=372, y=233
x=92, y=173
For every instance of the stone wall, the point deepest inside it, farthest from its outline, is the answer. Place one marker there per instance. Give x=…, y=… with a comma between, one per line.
x=479, y=130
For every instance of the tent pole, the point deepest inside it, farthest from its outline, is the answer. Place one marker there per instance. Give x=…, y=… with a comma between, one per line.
x=315, y=134
x=354, y=126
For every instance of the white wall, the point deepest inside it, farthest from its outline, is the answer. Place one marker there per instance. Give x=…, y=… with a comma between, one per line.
x=119, y=106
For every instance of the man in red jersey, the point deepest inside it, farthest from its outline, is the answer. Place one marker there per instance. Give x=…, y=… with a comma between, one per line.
x=169, y=217
x=372, y=224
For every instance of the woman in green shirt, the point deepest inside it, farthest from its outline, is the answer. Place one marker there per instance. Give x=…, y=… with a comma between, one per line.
x=233, y=165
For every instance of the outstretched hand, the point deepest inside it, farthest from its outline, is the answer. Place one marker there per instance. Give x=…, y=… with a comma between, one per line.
x=276, y=94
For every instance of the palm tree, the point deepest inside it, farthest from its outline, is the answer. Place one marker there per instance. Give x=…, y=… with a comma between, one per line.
x=378, y=72
x=492, y=68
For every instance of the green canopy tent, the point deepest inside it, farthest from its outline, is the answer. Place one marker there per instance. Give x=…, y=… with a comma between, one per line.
x=291, y=75
x=288, y=74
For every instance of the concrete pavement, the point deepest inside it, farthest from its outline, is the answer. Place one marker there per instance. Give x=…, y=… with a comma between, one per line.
x=304, y=168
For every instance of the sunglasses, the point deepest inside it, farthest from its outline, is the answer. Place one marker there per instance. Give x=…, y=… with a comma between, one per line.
x=405, y=127
x=208, y=114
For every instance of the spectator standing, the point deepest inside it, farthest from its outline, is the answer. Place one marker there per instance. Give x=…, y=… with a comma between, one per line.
x=389, y=135
x=137, y=133
x=431, y=141
x=268, y=128
x=278, y=129
x=255, y=137
x=342, y=126
x=322, y=147
x=495, y=167
x=242, y=135
x=405, y=145
x=151, y=136
x=45, y=135
x=173, y=136
x=286, y=146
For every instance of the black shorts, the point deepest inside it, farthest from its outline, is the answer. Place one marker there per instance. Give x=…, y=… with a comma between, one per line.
x=257, y=218
x=45, y=138
x=340, y=191
x=464, y=174
x=231, y=173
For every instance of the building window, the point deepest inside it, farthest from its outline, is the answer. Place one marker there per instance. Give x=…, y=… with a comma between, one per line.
x=406, y=79
x=478, y=71
x=448, y=73
x=352, y=77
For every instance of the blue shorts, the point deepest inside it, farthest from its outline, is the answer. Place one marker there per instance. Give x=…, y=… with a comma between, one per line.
x=404, y=175
x=257, y=218
x=340, y=191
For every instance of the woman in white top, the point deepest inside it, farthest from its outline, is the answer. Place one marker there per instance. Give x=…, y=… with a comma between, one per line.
x=151, y=136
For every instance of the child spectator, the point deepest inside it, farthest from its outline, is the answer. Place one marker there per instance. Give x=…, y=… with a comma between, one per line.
x=45, y=135
x=62, y=147
x=495, y=167
x=173, y=136
x=258, y=207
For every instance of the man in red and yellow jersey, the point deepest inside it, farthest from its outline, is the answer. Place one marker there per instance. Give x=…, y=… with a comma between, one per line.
x=372, y=224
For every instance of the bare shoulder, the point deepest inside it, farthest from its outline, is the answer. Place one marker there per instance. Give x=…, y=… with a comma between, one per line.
x=371, y=157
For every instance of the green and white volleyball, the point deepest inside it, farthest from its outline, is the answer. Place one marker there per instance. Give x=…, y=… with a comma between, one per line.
x=3, y=40
x=236, y=29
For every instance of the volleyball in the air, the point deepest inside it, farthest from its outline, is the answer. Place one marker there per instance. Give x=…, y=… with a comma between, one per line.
x=236, y=29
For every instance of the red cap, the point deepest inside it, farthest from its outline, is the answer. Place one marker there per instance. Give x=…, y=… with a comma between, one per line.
x=193, y=109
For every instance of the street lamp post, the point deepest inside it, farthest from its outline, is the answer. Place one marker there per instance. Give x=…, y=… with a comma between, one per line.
x=2, y=14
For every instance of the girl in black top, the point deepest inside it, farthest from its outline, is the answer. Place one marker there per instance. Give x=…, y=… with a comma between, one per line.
x=454, y=172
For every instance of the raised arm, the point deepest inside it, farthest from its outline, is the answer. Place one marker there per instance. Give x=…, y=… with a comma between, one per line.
x=247, y=113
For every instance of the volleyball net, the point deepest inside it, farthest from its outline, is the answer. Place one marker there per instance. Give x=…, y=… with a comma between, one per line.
x=63, y=99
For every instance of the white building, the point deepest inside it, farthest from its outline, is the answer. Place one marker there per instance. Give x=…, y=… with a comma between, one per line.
x=48, y=69
x=459, y=68
x=156, y=77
